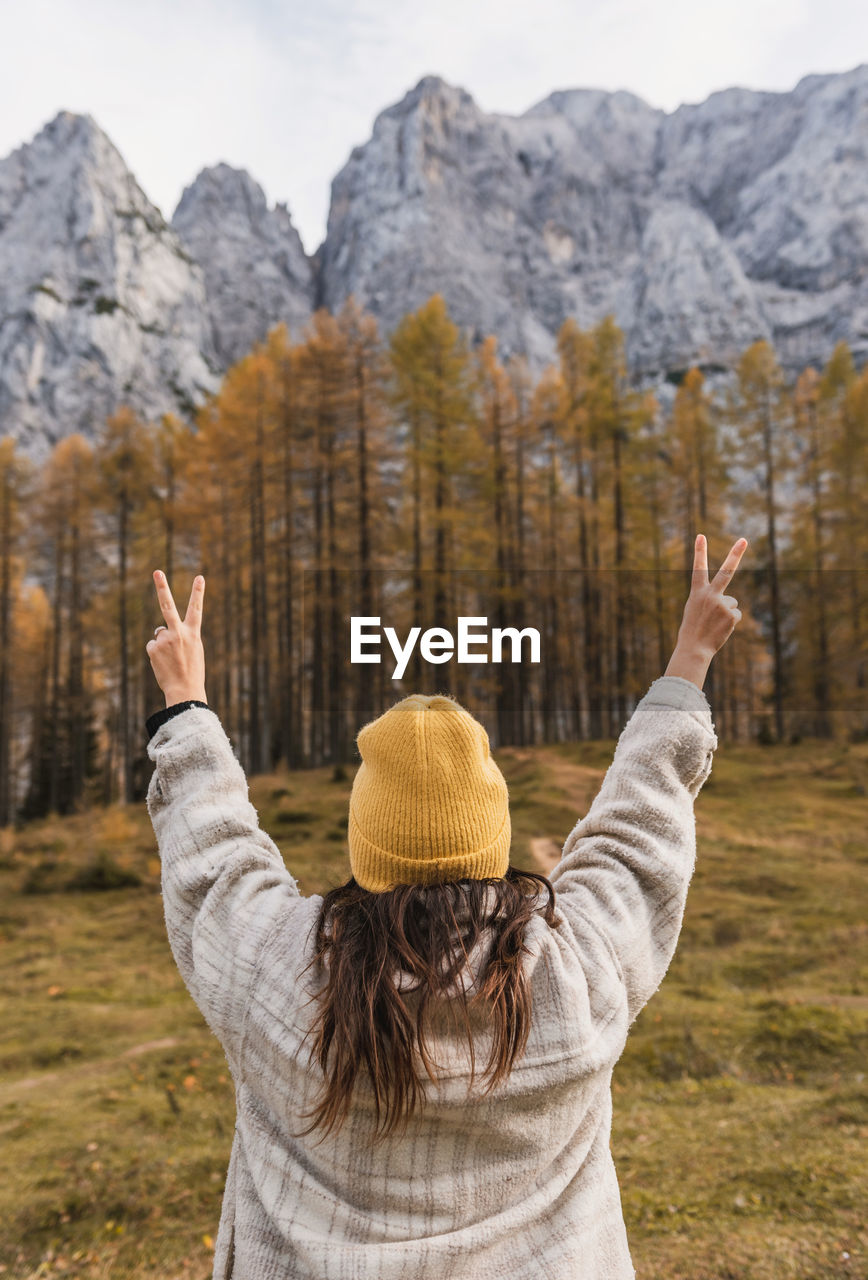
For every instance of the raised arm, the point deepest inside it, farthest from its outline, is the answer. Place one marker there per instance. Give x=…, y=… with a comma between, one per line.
x=626, y=866
x=225, y=885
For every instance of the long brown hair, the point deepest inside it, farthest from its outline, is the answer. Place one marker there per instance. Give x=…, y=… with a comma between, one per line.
x=363, y=1018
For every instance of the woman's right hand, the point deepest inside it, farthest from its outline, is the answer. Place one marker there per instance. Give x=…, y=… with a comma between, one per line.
x=710, y=617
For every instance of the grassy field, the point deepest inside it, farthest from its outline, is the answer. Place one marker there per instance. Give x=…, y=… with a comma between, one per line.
x=741, y=1101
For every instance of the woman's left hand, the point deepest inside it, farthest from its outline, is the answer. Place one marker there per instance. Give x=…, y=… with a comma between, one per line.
x=176, y=652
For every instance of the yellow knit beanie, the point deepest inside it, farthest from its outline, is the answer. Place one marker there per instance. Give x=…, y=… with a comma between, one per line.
x=428, y=803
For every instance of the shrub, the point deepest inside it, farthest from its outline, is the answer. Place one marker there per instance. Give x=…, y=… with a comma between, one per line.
x=102, y=874
x=293, y=817
x=40, y=877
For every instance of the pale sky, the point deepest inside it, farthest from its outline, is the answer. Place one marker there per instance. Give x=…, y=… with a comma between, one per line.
x=285, y=88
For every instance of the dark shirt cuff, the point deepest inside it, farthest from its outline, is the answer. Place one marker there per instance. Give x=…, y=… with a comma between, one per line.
x=153, y=722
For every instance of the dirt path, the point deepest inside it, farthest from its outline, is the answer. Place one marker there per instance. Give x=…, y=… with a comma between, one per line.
x=546, y=852
x=9, y=1089
x=579, y=784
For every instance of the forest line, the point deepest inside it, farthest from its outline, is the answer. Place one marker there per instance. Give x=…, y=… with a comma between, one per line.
x=419, y=480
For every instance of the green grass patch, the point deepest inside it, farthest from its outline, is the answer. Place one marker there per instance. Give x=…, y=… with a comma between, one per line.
x=740, y=1102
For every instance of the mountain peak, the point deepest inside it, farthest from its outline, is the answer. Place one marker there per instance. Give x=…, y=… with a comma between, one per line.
x=221, y=186
x=73, y=129
x=429, y=90
x=432, y=84
x=256, y=271
x=107, y=307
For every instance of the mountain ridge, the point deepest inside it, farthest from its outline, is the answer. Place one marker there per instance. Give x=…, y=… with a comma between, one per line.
x=701, y=229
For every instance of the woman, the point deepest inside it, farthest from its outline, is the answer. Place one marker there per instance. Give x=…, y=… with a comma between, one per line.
x=423, y=1058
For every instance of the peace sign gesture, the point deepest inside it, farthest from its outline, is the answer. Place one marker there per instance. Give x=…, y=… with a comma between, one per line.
x=176, y=652
x=710, y=616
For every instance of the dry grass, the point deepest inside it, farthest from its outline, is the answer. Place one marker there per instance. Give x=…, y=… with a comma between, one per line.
x=741, y=1101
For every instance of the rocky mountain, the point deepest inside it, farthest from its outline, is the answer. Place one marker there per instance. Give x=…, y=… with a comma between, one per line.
x=256, y=270
x=99, y=301
x=741, y=217
x=703, y=229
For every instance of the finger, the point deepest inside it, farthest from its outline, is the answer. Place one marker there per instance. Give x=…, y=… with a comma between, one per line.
x=730, y=564
x=700, y=562
x=167, y=603
x=730, y=600
x=194, y=608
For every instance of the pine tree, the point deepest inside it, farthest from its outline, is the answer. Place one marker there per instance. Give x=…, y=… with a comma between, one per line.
x=810, y=553
x=763, y=413
x=432, y=389
x=367, y=409
x=844, y=400
x=68, y=491
x=653, y=500
x=16, y=484
x=325, y=378
x=575, y=349
x=702, y=485
x=284, y=360
x=124, y=458
x=612, y=415
x=521, y=730
x=173, y=447
x=546, y=406
x=493, y=501
x=32, y=628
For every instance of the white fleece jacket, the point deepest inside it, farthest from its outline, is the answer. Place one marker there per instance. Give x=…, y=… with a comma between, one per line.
x=515, y=1186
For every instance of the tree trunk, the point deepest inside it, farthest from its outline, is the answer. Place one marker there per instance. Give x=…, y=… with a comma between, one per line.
x=79, y=718
x=124, y=729
x=364, y=706
x=822, y=727
x=7, y=797
x=55, y=714
x=777, y=653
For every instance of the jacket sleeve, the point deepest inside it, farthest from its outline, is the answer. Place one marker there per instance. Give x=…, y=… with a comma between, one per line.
x=626, y=866
x=224, y=882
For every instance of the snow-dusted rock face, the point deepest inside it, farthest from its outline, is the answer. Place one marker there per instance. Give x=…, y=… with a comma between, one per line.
x=701, y=230
x=256, y=270
x=99, y=302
